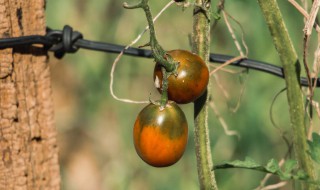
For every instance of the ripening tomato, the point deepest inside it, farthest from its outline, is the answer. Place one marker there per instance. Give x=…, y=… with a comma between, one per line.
x=160, y=134
x=191, y=80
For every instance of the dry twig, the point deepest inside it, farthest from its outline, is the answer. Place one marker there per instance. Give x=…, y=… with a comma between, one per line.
x=222, y=121
x=227, y=63
x=267, y=177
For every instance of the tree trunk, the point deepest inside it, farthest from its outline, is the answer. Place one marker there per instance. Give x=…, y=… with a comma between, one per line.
x=28, y=147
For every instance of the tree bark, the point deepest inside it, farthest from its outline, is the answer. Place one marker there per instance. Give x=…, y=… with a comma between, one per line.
x=28, y=147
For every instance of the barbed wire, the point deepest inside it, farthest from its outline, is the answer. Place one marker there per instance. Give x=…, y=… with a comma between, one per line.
x=68, y=41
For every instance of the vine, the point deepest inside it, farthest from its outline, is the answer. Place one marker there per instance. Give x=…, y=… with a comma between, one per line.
x=291, y=68
x=201, y=43
x=159, y=54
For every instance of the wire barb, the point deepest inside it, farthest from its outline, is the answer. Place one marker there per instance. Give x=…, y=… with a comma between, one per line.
x=66, y=41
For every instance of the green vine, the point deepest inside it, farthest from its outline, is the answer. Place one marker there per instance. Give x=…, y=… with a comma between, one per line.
x=201, y=44
x=291, y=67
x=159, y=54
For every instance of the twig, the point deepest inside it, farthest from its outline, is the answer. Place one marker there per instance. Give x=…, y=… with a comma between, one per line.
x=266, y=178
x=227, y=63
x=244, y=44
x=309, y=20
x=307, y=32
x=223, y=122
x=242, y=90
x=275, y=186
x=305, y=63
x=224, y=91
x=305, y=4
x=312, y=17
x=316, y=63
x=221, y=87
x=303, y=12
x=236, y=42
x=315, y=105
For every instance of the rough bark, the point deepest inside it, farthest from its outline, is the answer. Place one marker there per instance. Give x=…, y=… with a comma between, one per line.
x=28, y=147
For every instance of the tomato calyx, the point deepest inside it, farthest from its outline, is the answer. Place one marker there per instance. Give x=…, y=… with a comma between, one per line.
x=190, y=78
x=161, y=107
x=165, y=75
x=171, y=61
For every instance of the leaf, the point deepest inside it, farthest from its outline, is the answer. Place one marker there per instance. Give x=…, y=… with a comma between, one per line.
x=290, y=165
x=288, y=168
x=301, y=175
x=314, y=147
x=288, y=171
x=273, y=166
x=248, y=163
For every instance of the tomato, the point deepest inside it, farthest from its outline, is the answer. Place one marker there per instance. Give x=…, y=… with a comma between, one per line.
x=191, y=80
x=160, y=134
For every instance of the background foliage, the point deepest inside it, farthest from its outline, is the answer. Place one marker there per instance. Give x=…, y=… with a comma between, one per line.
x=95, y=131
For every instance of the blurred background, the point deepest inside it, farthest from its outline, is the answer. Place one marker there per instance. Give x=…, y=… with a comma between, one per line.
x=95, y=130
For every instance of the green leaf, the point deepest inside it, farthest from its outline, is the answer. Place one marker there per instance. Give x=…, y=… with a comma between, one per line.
x=314, y=147
x=290, y=165
x=301, y=175
x=288, y=168
x=288, y=171
x=248, y=163
x=272, y=166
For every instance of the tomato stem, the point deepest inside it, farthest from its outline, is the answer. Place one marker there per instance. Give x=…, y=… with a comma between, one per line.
x=164, y=89
x=291, y=68
x=201, y=46
x=159, y=54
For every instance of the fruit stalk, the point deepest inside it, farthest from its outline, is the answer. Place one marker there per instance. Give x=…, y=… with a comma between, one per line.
x=164, y=88
x=159, y=54
x=201, y=44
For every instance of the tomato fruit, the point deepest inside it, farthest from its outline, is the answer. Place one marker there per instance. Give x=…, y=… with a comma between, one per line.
x=160, y=134
x=191, y=80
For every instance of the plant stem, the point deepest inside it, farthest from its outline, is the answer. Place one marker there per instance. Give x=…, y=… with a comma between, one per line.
x=291, y=67
x=164, y=88
x=159, y=54
x=201, y=44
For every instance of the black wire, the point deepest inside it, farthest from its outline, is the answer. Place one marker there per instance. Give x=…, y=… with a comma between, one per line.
x=113, y=48
x=69, y=41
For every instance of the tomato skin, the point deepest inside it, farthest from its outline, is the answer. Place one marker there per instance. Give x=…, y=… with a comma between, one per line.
x=160, y=135
x=191, y=81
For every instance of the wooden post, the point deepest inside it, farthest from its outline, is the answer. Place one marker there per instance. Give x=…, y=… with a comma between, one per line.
x=28, y=147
